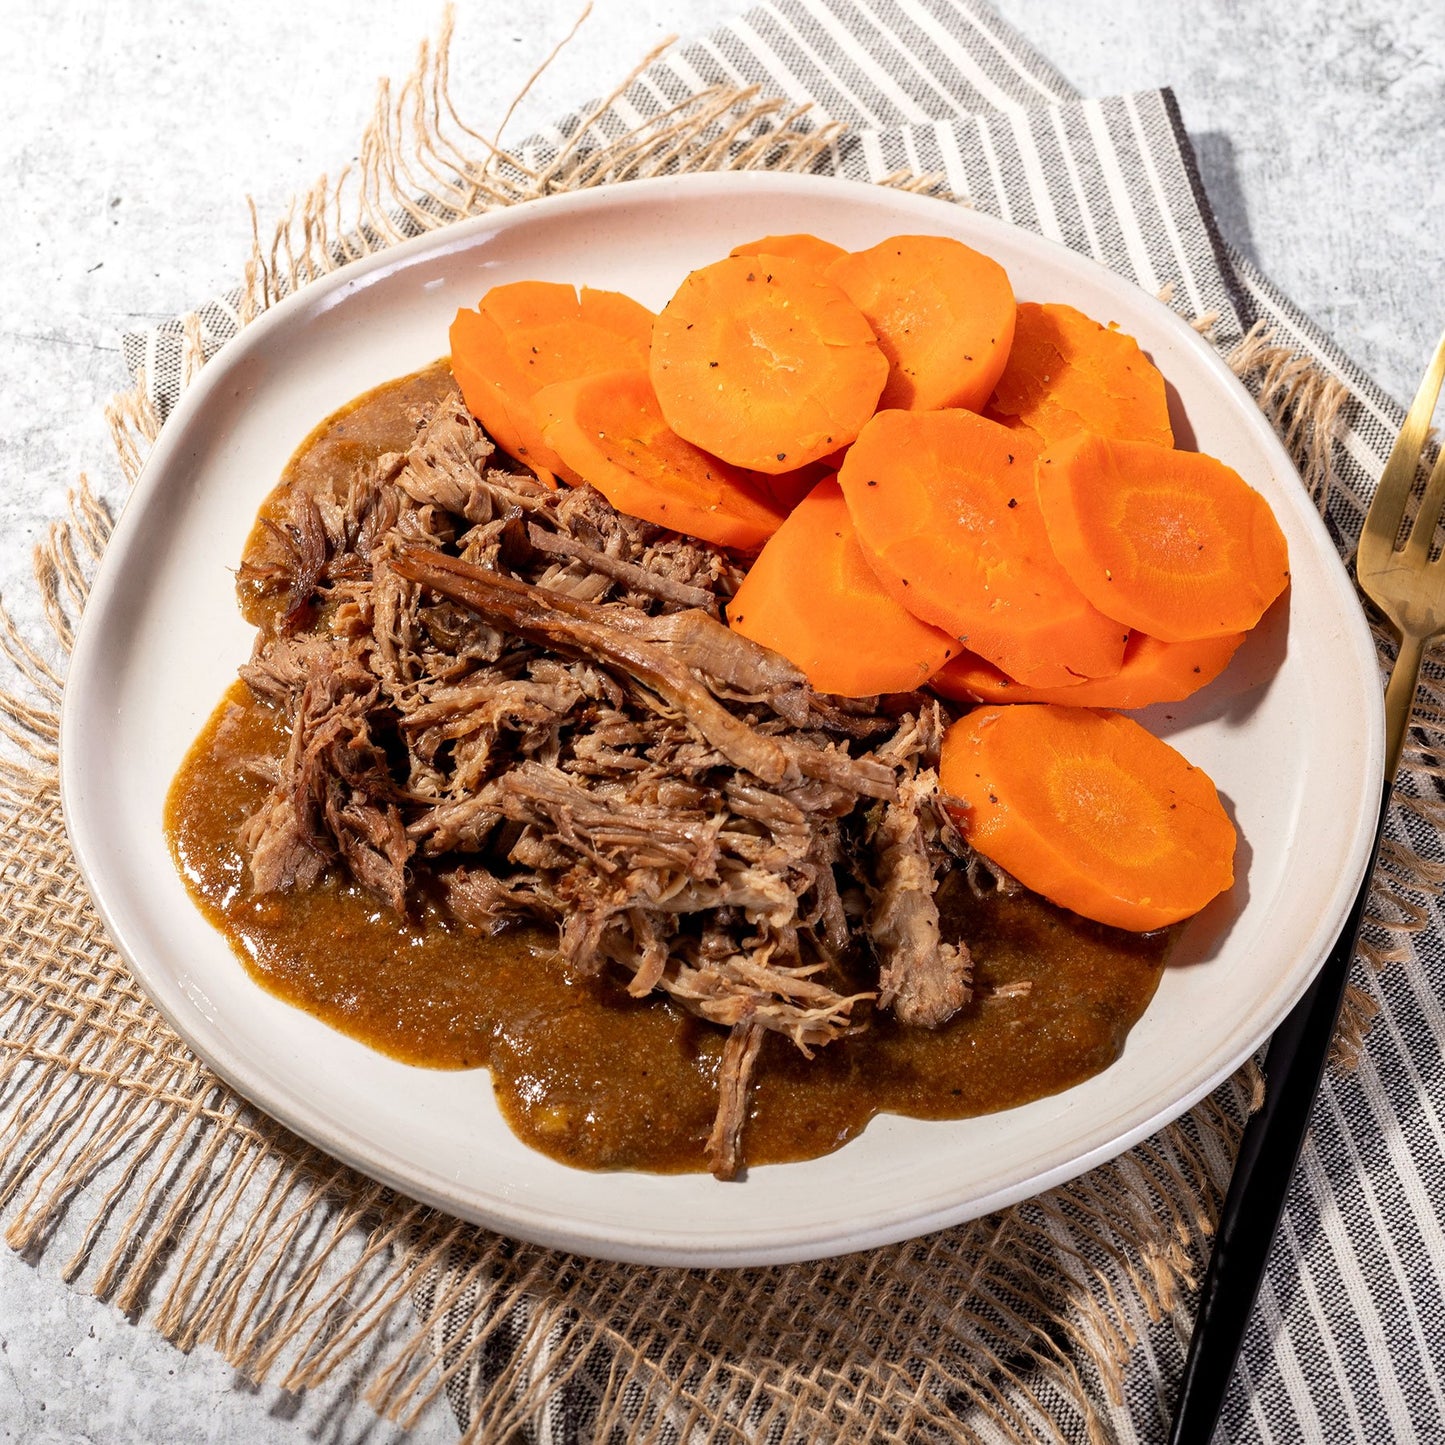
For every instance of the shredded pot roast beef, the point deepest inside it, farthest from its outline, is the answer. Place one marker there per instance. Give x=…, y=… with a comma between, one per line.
x=531, y=701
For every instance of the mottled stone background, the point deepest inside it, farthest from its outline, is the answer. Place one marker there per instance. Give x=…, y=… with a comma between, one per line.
x=130, y=134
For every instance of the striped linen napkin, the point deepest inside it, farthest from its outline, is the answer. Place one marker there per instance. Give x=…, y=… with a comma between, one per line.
x=1348, y=1340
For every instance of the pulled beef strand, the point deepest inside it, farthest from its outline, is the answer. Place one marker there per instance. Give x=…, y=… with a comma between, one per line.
x=530, y=697
x=735, y=1074
x=527, y=612
x=924, y=980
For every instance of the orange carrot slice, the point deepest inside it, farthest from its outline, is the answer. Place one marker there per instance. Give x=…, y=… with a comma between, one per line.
x=1152, y=671
x=530, y=334
x=1175, y=544
x=943, y=313
x=946, y=512
x=496, y=393
x=1067, y=373
x=762, y=362
x=1090, y=810
x=608, y=430
x=970, y=678
x=798, y=245
x=813, y=597
x=787, y=489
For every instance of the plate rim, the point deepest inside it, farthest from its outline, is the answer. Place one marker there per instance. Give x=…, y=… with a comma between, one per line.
x=560, y=1231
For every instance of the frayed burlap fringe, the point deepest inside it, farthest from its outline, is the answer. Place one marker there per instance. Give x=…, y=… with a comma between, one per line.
x=180, y=1203
x=1303, y=401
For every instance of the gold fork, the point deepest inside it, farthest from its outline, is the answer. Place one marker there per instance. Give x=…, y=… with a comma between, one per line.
x=1409, y=589
x=1405, y=585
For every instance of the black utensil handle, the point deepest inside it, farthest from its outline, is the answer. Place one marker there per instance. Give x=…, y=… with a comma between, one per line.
x=1268, y=1153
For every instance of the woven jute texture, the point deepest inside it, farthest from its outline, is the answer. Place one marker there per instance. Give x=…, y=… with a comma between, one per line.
x=165, y=1193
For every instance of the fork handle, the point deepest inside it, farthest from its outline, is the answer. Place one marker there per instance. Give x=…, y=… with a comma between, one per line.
x=1268, y=1153
x=1399, y=701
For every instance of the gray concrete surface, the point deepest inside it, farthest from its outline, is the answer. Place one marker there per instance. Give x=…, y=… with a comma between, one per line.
x=131, y=132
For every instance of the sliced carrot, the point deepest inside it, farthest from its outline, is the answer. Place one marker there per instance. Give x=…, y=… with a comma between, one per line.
x=943, y=314
x=609, y=430
x=1067, y=373
x=530, y=334
x=946, y=512
x=798, y=245
x=1152, y=671
x=1090, y=810
x=813, y=597
x=496, y=393
x=762, y=362
x=787, y=489
x=970, y=678
x=1173, y=543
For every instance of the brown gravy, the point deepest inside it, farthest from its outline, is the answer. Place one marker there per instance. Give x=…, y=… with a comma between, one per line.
x=581, y=1071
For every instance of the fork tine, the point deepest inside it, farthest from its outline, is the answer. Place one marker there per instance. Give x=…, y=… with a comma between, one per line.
x=1422, y=533
x=1397, y=481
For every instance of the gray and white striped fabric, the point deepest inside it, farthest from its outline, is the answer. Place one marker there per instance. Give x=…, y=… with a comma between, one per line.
x=1349, y=1338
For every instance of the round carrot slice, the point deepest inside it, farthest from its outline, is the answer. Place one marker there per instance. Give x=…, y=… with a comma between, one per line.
x=762, y=362
x=1066, y=374
x=947, y=516
x=609, y=430
x=813, y=597
x=798, y=245
x=497, y=394
x=787, y=489
x=943, y=314
x=1091, y=810
x=531, y=334
x=1173, y=543
x=1152, y=671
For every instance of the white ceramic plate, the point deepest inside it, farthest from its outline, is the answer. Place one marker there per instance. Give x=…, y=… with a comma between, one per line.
x=1291, y=734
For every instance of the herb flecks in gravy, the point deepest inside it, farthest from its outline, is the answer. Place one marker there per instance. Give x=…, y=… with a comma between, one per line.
x=582, y=1071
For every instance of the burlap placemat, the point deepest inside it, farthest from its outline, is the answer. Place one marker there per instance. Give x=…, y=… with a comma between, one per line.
x=173, y=1198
